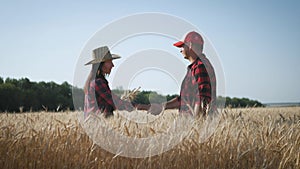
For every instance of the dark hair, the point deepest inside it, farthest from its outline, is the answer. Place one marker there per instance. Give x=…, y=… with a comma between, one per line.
x=96, y=72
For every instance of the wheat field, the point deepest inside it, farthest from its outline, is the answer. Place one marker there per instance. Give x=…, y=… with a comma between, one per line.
x=244, y=138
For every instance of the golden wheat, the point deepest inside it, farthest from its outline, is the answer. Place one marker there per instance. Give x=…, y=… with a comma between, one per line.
x=244, y=138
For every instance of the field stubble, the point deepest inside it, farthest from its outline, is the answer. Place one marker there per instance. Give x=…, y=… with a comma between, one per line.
x=244, y=138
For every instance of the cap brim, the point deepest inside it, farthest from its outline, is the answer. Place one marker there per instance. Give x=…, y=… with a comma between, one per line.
x=178, y=44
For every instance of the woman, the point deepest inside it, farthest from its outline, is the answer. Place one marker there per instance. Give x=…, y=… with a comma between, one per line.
x=98, y=96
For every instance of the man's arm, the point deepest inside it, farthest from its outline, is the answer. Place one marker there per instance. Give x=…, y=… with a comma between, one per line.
x=173, y=104
x=156, y=109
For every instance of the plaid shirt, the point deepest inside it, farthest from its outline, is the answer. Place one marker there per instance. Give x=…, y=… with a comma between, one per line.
x=100, y=99
x=198, y=86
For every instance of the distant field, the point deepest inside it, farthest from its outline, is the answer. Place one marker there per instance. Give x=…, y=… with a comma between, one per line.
x=245, y=138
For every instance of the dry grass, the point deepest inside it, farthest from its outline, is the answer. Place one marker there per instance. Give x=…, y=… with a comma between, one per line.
x=245, y=138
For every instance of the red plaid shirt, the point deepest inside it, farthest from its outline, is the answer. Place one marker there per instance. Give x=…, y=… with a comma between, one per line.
x=100, y=99
x=198, y=86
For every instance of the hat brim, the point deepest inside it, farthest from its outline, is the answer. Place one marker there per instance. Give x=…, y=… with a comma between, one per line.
x=179, y=44
x=95, y=61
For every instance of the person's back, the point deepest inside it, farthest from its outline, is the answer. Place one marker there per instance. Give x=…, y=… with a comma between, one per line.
x=213, y=83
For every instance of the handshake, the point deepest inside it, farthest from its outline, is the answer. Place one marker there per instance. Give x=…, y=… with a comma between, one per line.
x=154, y=108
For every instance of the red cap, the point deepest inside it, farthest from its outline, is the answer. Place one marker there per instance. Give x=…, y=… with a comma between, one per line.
x=193, y=37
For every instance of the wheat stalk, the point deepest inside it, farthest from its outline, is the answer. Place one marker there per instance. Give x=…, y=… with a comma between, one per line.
x=255, y=138
x=129, y=95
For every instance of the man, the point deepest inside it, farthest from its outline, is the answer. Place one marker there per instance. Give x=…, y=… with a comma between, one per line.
x=198, y=89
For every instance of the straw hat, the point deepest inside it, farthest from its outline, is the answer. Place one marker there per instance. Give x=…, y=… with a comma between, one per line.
x=102, y=54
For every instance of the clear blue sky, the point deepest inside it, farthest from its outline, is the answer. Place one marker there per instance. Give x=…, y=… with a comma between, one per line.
x=257, y=41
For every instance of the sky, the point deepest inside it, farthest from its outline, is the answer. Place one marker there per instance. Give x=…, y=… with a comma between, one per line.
x=257, y=42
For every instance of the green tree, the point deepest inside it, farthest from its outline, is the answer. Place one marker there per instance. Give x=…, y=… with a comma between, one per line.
x=9, y=97
x=78, y=98
x=170, y=97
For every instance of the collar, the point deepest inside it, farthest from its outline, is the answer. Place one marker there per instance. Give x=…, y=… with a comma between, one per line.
x=102, y=77
x=195, y=63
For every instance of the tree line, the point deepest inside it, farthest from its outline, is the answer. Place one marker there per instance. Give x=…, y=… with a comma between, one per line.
x=239, y=102
x=24, y=95
x=146, y=97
